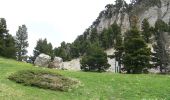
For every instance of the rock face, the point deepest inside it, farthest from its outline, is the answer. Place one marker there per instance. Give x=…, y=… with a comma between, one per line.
x=141, y=11
x=56, y=63
x=72, y=65
x=42, y=60
x=112, y=61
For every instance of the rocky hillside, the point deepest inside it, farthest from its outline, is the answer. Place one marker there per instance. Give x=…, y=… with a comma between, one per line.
x=126, y=14
x=123, y=16
x=104, y=31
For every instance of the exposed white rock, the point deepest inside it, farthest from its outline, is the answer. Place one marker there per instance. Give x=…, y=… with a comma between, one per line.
x=56, y=63
x=72, y=65
x=110, y=51
x=153, y=13
x=154, y=70
x=112, y=63
x=42, y=60
x=122, y=18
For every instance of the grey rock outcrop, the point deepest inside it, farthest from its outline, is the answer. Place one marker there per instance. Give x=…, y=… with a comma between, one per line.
x=56, y=63
x=141, y=11
x=42, y=60
x=72, y=65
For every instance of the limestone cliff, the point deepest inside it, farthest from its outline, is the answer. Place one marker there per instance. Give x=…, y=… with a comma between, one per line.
x=123, y=17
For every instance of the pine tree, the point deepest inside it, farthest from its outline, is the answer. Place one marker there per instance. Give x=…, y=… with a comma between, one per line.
x=118, y=44
x=104, y=40
x=95, y=59
x=21, y=42
x=3, y=33
x=94, y=36
x=161, y=53
x=63, y=51
x=110, y=37
x=7, y=43
x=146, y=30
x=43, y=46
x=10, y=49
x=137, y=55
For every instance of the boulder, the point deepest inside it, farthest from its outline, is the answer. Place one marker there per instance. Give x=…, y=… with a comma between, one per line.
x=154, y=70
x=56, y=63
x=42, y=60
x=72, y=65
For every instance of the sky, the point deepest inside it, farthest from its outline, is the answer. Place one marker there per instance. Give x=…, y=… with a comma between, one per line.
x=55, y=20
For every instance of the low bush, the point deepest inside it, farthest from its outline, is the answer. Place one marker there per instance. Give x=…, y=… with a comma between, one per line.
x=44, y=79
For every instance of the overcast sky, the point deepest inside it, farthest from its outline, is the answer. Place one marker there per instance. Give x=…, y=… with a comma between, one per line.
x=56, y=20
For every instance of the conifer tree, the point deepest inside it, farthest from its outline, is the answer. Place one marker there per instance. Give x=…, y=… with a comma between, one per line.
x=21, y=42
x=161, y=53
x=95, y=59
x=137, y=55
x=7, y=42
x=43, y=46
x=146, y=30
x=118, y=45
x=10, y=49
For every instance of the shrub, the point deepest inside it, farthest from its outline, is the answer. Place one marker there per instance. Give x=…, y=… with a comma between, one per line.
x=44, y=79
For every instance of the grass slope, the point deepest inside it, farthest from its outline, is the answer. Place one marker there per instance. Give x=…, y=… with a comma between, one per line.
x=97, y=86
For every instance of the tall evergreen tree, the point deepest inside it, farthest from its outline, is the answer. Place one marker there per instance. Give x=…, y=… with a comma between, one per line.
x=43, y=46
x=3, y=33
x=146, y=30
x=7, y=43
x=10, y=49
x=118, y=45
x=95, y=59
x=63, y=51
x=137, y=55
x=94, y=36
x=161, y=53
x=21, y=42
x=104, y=39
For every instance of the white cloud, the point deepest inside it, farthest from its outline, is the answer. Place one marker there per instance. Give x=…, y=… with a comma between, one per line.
x=56, y=20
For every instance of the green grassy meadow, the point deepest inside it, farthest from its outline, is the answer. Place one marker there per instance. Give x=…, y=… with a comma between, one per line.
x=96, y=86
